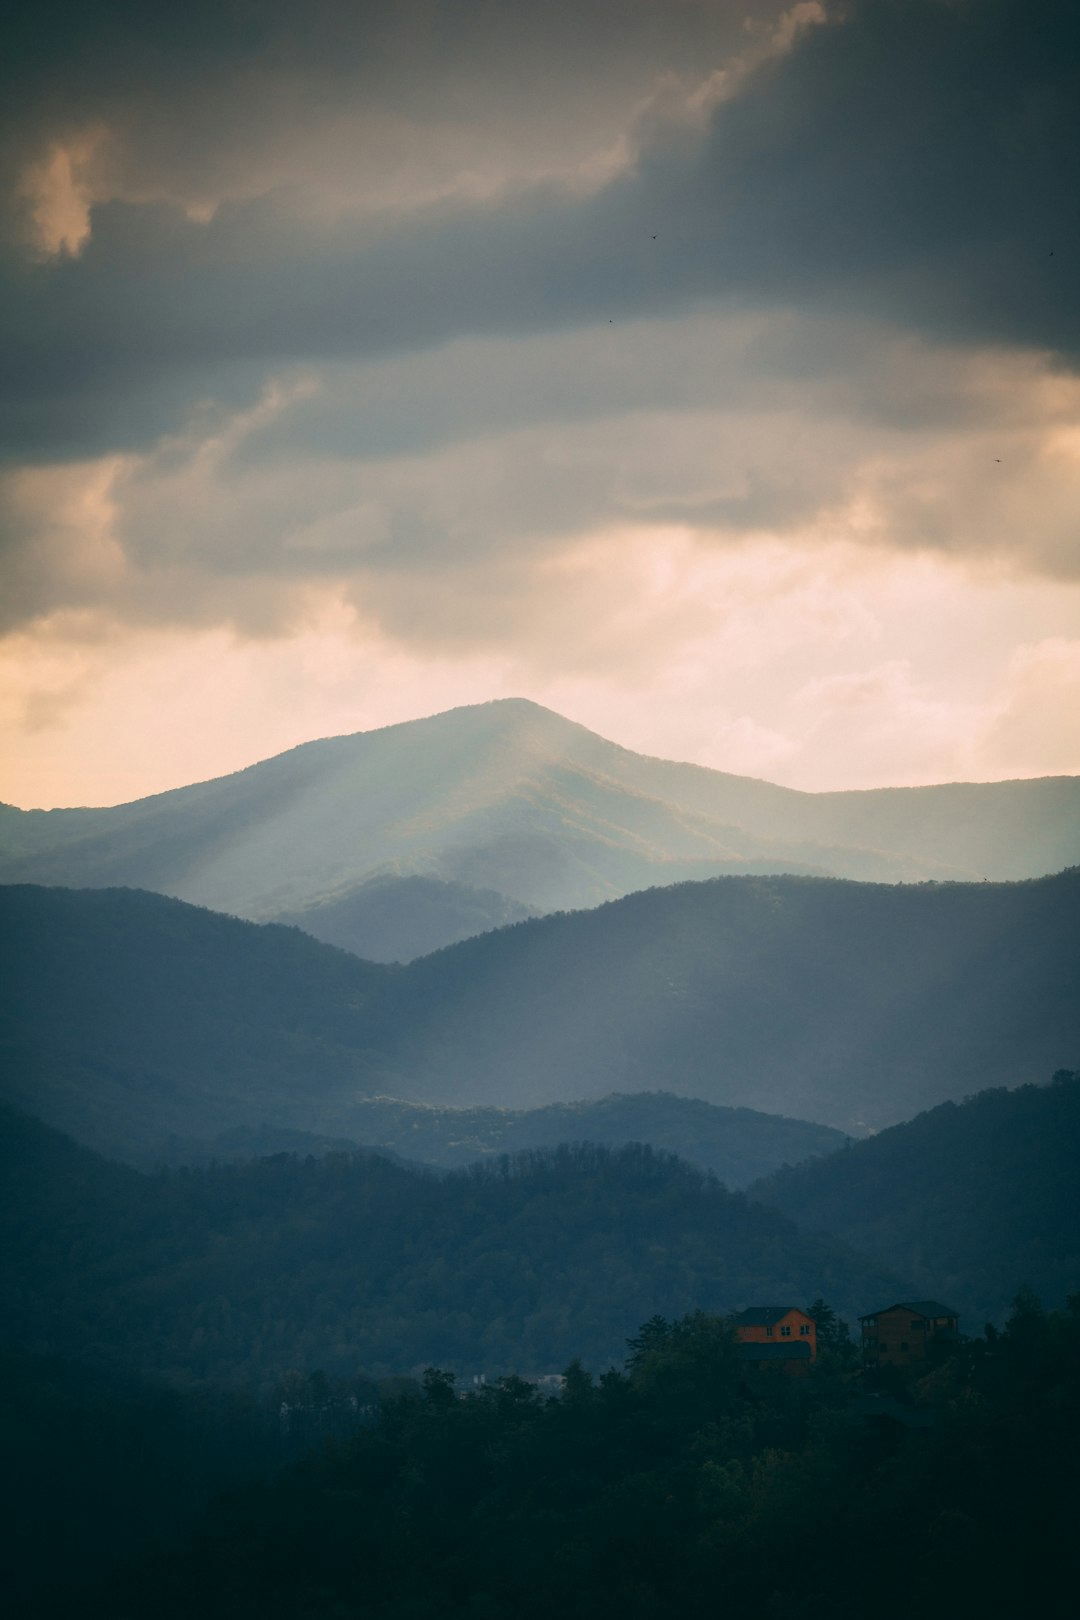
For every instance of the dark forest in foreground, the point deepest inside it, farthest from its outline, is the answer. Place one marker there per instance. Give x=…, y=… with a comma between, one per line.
x=677, y=1486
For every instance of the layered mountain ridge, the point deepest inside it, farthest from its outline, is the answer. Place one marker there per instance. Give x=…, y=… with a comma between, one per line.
x=533, y=810
x=127, y=1017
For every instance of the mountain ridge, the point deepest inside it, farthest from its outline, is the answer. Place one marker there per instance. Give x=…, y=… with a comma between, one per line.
x=509, y=797
x=846, y=1004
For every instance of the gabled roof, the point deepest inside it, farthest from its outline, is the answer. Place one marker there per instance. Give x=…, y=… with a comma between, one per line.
x=918, y=1307
x=790, y=1350
x=765, y=1315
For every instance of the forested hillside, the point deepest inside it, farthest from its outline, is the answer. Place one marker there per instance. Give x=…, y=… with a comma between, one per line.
x=850, y=1003
x=353, y=1263
x=126, y=1017
x=971, y=1201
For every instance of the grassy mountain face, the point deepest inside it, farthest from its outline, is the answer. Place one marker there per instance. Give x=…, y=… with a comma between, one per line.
x=394, y=919
x=240, y=1271
x=971, y=1201
x=509, y=797
x=127, y=1018
x=738, y=1145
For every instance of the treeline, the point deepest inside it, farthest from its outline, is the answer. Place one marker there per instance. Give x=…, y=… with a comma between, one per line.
x=675, y=1486
x=351, y=1262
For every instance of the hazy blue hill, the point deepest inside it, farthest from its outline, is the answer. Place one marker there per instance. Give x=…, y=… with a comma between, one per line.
x=510, y=797
x=853, y=1004
x=126, y=1017
x=971, y=1201
x=731, y=1142
x=394, y=919
x=738, y=1145
x=344, y=1263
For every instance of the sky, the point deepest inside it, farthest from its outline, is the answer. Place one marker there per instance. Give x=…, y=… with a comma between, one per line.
x=708, y=372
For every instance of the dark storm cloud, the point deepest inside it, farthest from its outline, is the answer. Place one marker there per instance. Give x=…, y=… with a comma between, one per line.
x=915, y=161
x=184, y=84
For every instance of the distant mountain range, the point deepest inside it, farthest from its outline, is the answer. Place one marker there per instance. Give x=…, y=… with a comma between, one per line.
x=738, y=1145
x=531, y=810
x=127, y=1018
x=972, y=1201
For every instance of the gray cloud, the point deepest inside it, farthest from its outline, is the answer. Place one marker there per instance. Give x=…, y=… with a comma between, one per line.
x=914, y=161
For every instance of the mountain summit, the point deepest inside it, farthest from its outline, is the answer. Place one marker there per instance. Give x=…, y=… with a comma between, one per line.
x=510, y=798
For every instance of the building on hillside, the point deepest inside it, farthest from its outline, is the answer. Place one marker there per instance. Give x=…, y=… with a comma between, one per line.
x=777, y=1335
x=904, y=1334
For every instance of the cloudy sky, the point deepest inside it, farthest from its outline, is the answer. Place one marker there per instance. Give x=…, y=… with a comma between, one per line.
x=708, y=370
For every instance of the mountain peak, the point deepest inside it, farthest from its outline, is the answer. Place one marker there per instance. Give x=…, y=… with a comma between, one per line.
x=513, y=797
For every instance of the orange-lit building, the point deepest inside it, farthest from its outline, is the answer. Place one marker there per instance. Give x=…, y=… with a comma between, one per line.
x=909, y=1332
x=781, y=1334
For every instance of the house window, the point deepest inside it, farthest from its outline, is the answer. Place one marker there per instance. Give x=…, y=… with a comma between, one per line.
x=871, y=1321
x=918, y=1327
x=805, y=1330
x=904, y=1345
x=768, y=1332
x=785, y=1333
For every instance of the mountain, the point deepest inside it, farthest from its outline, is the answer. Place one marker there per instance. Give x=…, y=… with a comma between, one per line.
x=510, y=797
x=738, y=1145
x=239, y=1272
x=852, y=1004
x=127, y=1017
x=972, y=1200
x=394, y=919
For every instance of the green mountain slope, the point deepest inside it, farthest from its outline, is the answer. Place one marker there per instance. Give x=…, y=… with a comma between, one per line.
x=239, y=1272
x=971, y=1201
x=509, y=797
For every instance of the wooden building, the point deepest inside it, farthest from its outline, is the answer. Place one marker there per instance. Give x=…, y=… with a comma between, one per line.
x=777, y=1328
x=904, y=1334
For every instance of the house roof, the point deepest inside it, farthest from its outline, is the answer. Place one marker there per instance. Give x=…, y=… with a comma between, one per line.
x=765, y=1315
x=928, y=1308
x=792, y=1350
